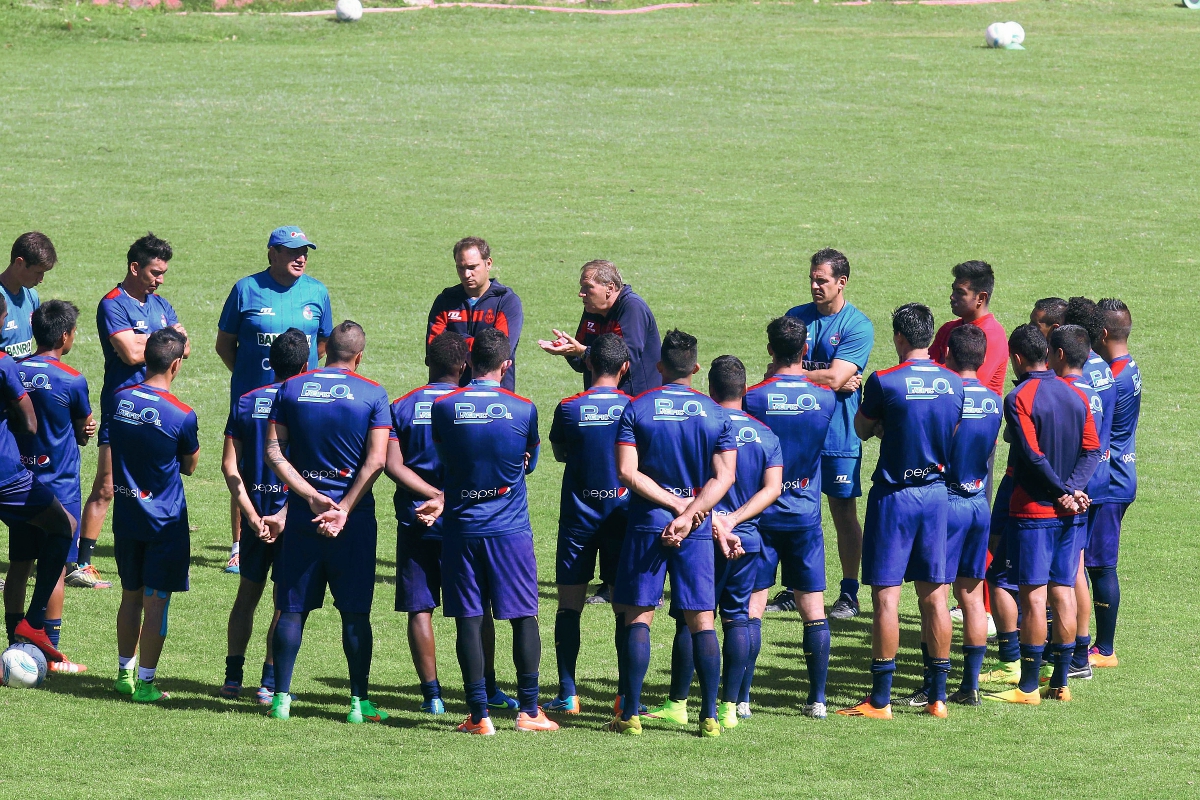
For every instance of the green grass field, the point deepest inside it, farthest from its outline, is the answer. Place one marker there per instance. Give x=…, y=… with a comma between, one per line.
x=708, y=151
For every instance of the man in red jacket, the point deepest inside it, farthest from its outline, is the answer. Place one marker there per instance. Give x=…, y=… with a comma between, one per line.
x=969, y=297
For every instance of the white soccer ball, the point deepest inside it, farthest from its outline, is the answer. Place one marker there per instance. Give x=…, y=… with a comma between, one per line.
x=1018, y=33
x=348, y=10
x=24, y=666
x=998, y=34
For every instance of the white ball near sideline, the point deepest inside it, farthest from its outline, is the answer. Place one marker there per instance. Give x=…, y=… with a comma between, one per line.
x=1018, y=33
x=348, y=10
x=998, y=34
x=23, y=666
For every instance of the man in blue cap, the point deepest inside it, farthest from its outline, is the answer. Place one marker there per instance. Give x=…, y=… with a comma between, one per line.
x=259, y=308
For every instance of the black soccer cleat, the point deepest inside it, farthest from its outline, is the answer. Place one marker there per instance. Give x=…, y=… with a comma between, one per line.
x=846, y=607
x=967, y=698
x=917, y=699
x=784, y=601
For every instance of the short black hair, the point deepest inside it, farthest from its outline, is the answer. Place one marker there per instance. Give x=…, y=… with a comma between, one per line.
x=1052, y=309
x=608, y=354
x=914, y=321
x=472, y=243
x=36, y=248
x=489, y=350
x=787, y=337
x=446, y=354
x=1027, y=342
x=163, y=348
x=1083, y=312
x=1073, y=340
x=679, y=352
x=1117, y=319
x=347, y=340
x=726, y=378
x=968, y=345
x=978, y=275
x=53, y=320
x=148, y=248
x=839, y=265
x=289, y=354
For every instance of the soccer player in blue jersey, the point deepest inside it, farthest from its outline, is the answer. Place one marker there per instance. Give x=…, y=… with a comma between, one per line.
x=153, y=438
x=1104, y=528
x=31, y=257
x=593, y=504
x=259, y=308
x=64, y=424
x=333, y=425
x=840, y=338
x=487, y=546
x=1047, y=314
x=799, y=413
x=915, y=408
x=1054, y=453
x=125, y=319
x=260, y=498
x=677, y=452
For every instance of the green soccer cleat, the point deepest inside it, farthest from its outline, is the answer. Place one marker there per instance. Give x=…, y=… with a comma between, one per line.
x=1002, y=672
x=281, y=706
x=709, y=728
x=147, y=692
x=625, y=727
x=727, y=715
x=671, y=711
x=124, y=684
x=364, y=711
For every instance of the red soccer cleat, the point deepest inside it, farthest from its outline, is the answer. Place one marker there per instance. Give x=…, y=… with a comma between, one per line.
x=39, y=639
x=482, y=728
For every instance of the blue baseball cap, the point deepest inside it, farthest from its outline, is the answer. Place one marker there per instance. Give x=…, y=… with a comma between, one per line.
x=289, y=236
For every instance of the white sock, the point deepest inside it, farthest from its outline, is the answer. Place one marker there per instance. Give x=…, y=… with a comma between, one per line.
x=126, y=663
x=146, y=674
x=237, y=548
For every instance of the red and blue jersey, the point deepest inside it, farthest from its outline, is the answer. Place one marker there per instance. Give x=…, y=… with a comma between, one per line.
x=258, y=309
x=757, y=451
x=677, y=431
x=119, y=312
x=412, y=428
x=799, y=413
x=498, y=307
x=920, y=404
x=150, y=429
x=11, y=390
x=60, y=396
x=585, y=425
x=1126, y=409
x=16, y=337
x=247, y=424
x=1055, y=445
x=631, y=319
x=482, y=433
x=982, y=414
x=1099, y=376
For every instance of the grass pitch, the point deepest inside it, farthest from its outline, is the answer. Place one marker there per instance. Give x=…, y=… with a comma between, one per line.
x=708, y=151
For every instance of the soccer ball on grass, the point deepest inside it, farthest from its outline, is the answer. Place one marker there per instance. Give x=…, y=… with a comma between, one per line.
x=24, y=666
x=348, y=10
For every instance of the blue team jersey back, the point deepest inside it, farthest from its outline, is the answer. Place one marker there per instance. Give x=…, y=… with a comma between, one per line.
x=799, y=413
x=676, y=431
x=119, y=312
x=982, y=415
x=150, y=430
x=60, y=396
x=11, y=390
x=846, y=336
x=585, y=425
x=17, y=335
x=757, y=451
x=248, y=421
x=258, y=309
x=412, y=427
x=920, y=405
x=482, y=433
x=1099, y=376
x=329, y=414
x=1122, y=443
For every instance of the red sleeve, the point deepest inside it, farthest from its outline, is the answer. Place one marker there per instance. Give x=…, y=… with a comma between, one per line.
x=995, y=363
x=437, y=325
x=937, y=350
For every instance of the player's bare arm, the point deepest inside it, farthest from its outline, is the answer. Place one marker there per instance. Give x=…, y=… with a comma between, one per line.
x=563, y=344
x=23, y=415
x=85, y=429
x=231, y=457
x=404, y=476
x=187, y=345
x=841, y=376
x=227, y=346
x=277, y=439
x=724, y=467
x=272, y=525
x=130, y=347
x=866, y=427
x=188, y=463
x=643, y=484
x=330, y=522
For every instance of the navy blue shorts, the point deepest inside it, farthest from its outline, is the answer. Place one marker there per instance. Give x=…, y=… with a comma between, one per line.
x=840, y=476
x=1042, y=551
x=161, y=564
x=968, y=522
x=735, y=583
x=307, y=562
x=646, y=563
x=418, y=569
x=1104, y=534
x=500, y=571
x=24, y=540
x=904, y=536
x=255, y=556
x=800, y=555
x=578, y=552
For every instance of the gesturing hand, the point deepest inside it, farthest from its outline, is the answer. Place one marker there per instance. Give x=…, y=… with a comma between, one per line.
x=564, y=344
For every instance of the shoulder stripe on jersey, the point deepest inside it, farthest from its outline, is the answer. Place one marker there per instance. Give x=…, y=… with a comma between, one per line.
x=164, y=394
x=361, y=378
x=1091, y=438
x=890, y=370
x=74, y=373
x=113, y=295
x=260, y=388
x=459, y=390
x=1119, y=364
x=411, y=393
x=648, y=391
x=511, y=394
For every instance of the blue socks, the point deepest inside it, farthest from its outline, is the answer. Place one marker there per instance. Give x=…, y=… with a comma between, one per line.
x=708, y=664
x=637, y=659
x=268, y=677
x=286, y=643
x=52, y=554
x=850, y=587
x=754, y=636
x=736, y=652
x=234, y=666
x=882, y=671
x=816, y=657
x=973, y=655
x=1106, y=600
x=527, y=656
x=619, y=636
x=53, y=629
x=682, y=662
x=566, y=649
x=1079, y=658
x=358, y=643
x=527, y=692
x=1031, y=665
x=1009, y=645
x=86, y=548
x=1060, y=656
x=926, y=671
x=939, y=672
x=477, y=697
x=431, y=690
x=468, y=646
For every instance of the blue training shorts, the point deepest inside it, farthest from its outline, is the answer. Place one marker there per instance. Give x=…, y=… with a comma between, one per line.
x=418, y=569
x=904, y=538
x=24, y=540
x=645, y=564
x=968, y=522
x=1104, y=534
x=255, y=556
x=840, y=476
x=578, y=551
x=801, y=556
x=1042, y=551
x=500, y=571
x=735, y=583
x=161, y=564
x=307, y=562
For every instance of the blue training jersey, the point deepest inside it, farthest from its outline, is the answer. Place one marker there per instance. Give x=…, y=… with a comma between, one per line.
x=585, y=425
x=258, y=309
x=799, y=413
x=11, y=390
x=60, y=396
x=247, y=424
x=412, y=428
x=329, y=415
x=149, y=431
x=1099, y=376
x=1127, y=408
x=847, y=336
x=483, y=433
x=982, y=415
x=16, y=337
x=757, y=451
x=920, y=404
x=119, y=312
x=676, y=431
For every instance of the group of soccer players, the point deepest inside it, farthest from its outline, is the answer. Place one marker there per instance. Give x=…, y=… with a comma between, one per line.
x=719, y=492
